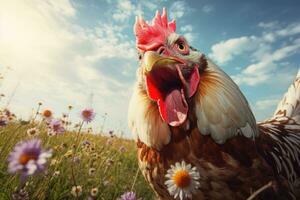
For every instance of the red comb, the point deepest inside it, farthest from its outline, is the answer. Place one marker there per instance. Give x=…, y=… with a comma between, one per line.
x=149, y=37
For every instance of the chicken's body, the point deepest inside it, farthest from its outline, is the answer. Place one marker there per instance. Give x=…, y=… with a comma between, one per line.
x=219, y=135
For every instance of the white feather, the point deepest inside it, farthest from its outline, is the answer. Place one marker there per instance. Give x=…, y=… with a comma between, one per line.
x=146, y=123
x=221, y=109
x=290, y=104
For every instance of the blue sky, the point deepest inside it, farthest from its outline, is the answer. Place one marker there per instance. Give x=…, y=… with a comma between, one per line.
x=82, y=53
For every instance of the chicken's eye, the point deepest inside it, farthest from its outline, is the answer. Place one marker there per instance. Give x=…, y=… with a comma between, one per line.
x=182, y=47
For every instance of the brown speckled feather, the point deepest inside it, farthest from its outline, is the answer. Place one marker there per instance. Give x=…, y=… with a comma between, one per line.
x=229, y=171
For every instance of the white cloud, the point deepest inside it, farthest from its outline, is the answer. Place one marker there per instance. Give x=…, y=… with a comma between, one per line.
x=188, y=33
x=268, y=25
x=225, y=51
x=150, y=5
x=266, y=62
x=279, y=31
x=250, y=80
x=125, y=9
x=207, y=8
x=267, y=68
x=178, y=9
x=189, y=36
x=64, y=7
x=276, y=32
x=269, y=37
x=266, y=103
x=263, y=108
x=186, y=28
x=292, y=29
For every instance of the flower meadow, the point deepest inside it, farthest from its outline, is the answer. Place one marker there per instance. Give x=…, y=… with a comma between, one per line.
x=50, y=157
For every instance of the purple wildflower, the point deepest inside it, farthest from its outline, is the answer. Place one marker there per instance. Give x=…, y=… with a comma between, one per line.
x=87, y=115
x=56, y=127
x=111, y=133
x=28, y=158
x=21, y=194
x=7, y=112
x=122, y=149
x=128, y=196
x=86, y=143
x=3, y=122
x=76, y=160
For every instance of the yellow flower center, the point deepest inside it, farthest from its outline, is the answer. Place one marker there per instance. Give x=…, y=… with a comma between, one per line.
x=86, y=113
x=47, y=113
x=56, y=127
x=182, y=178
x=24, y=158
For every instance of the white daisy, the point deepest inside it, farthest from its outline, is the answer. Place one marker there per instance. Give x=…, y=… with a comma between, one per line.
x=183, y=180
x=92, y=171
x=56, y=173
x=33, y=131
x=76, y=191
x=94, y=192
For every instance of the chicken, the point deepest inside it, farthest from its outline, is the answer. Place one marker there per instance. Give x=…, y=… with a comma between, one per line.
x=184, y=108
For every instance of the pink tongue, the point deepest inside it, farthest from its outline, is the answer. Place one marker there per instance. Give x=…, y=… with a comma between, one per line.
x=173, y=108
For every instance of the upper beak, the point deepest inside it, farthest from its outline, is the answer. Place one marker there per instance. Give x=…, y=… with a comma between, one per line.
x=151, y=59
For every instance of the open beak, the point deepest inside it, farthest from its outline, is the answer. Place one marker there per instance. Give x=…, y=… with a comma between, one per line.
x=170, y=82
x=152, y=59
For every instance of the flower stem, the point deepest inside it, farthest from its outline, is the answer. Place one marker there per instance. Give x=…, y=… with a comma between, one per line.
x=36, y=113
x=135, y=178
x=74, y=153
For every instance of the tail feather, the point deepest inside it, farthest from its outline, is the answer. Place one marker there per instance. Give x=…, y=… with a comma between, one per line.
x=279, y=145
x=290, y=104
x=279, y=140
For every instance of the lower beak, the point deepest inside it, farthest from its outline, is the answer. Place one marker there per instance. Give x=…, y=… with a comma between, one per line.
x=152, y=59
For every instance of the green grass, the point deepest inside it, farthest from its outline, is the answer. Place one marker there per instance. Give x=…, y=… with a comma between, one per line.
x=115, y=170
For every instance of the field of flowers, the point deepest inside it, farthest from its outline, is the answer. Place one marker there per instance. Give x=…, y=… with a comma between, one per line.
x=48, y=157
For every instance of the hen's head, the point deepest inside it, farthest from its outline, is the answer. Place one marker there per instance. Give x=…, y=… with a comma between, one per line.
x=170, y=68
